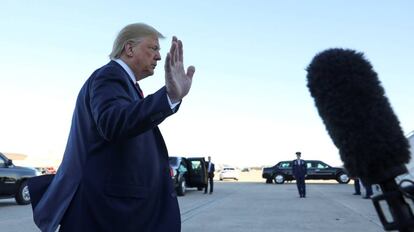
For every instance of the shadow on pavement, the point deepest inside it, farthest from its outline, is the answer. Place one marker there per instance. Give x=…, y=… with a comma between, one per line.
x=7, y=203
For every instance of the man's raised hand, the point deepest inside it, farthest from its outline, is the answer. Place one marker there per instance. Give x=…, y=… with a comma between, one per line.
x=178, y=82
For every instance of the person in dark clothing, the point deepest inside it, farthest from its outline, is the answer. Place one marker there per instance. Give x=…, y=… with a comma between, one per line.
x=368, y=190
x=357, y=187
x=299, y=170
x=210, y=175
x=115, y=173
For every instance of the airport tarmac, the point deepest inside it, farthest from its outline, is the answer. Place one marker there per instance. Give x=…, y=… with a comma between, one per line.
x=251, y=207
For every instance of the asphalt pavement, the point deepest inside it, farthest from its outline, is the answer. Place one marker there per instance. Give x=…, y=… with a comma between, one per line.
x=250, y=207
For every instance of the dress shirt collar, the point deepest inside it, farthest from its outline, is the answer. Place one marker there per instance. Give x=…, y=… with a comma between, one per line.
x=132, y=76
x=127, y=69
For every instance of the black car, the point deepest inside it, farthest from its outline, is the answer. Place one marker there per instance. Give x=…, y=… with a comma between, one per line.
x=188, y=173
x=317, y=170
x=13, y=181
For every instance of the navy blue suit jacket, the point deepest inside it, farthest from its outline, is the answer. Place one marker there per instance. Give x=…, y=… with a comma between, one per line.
x=115, y=173
x=299, y=170
x=212, y=170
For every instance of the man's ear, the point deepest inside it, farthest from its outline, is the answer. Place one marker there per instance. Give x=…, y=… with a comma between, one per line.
x=129, y=49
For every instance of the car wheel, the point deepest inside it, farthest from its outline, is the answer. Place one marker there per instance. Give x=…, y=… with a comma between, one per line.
x=236, y=179
x=221, y=179
x=181, y=188
x=279, y=179
x=22, y=196
x=269, y=181
x=343, y=178
x=199, y=188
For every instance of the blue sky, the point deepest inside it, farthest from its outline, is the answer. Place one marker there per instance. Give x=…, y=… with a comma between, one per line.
x=249, y=104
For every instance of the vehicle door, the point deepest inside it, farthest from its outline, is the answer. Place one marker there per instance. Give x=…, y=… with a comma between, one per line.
x=323, y=171
x=286, y=168
x=2, y=175
x=8, y=178
x=311, y=170
x=183, y=170
x=197, y=172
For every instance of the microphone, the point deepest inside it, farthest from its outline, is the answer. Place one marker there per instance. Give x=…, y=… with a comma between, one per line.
x=362, y=125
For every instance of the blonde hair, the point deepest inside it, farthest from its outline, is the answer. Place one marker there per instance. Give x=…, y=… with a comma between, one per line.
x=132, y=33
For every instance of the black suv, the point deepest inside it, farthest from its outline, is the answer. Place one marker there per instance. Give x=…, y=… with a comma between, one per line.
x=13, y=181
x=188, y=173
x=317, y=170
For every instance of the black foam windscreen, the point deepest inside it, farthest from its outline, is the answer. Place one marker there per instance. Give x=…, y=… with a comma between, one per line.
x=357, y=115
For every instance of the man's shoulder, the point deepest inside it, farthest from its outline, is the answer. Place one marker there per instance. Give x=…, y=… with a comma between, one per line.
x=111, y=67
x=111, y=70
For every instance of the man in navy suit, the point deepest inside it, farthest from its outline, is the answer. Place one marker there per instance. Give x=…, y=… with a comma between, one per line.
x=115, y=173
x=210, y=175
x=299, y=170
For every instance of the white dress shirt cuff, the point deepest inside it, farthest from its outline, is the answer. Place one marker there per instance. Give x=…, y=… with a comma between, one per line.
x=172, y=105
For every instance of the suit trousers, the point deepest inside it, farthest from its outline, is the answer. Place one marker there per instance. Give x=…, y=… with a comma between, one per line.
x=357, y=186
x=300, y=183
x=211, y=182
